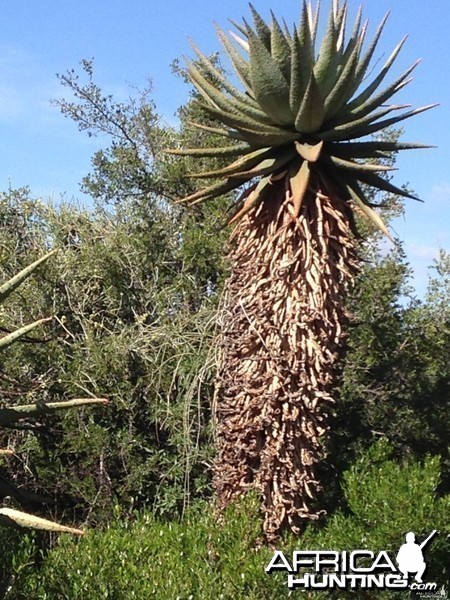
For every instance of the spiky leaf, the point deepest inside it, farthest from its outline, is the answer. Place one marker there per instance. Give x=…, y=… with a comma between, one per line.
x=9, y=339
x=270, y=88
x=294, y=99
x=8, y=288
x=17, y=519
x=12, y=414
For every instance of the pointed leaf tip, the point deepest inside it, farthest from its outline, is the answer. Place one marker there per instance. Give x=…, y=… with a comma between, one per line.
x=10, y=286
x=18, y=519
x=244, y=45
x=308, y=152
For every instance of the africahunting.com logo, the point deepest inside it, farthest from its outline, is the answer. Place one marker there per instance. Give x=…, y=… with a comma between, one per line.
x=359, y=569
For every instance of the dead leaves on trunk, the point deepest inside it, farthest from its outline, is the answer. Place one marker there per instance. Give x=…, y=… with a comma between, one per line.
x=282, y=327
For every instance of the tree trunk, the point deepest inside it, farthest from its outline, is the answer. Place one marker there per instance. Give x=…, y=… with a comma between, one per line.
x=282, y=328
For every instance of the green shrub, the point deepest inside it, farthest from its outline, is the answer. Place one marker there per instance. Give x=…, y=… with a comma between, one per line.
x=132, y=324
x=200, y=558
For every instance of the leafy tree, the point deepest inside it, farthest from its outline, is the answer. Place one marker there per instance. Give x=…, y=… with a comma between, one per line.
x=438, y=293
x=131, y=320
x=394, y=379
x=294, y=247
x=135, y=292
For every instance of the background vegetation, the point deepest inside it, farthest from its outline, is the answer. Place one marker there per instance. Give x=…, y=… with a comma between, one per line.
x=134, y=292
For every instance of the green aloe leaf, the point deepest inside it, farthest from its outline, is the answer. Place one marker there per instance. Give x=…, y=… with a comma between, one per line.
x=242, y=30
x=287, y=33
x=215, y=130
x=243, y=100
x=267, y=166
x=356, y=31
x=351, y=165
x=240, y=65
x=363, y=63
x=237, y=120
x=220, y=101
x=213, y=72
x=262, y=29
x=12, y=284
x=380, y=99
x=9, y=339
x=306, y=40
x=311, y=113
x=341, y=92
x=255, y=165
x=369, y=129
x=212, y=191
x=328, y=59
x=378, y=182
x=360, y=200
x=219, y=152
x=269, y=85
x=300, y=74
x=367, y=93
x=263, y=139
x=356, y=39
x=243, y=163
x=280, y=49
x=18, y=519
x=367, y=149
x=355, y=129
x=12, y=414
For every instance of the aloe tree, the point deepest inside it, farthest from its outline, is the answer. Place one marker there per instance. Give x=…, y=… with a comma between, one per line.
x=302, y=129
x=11, y=415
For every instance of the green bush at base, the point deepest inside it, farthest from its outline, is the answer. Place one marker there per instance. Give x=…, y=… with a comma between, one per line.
x=201, y=558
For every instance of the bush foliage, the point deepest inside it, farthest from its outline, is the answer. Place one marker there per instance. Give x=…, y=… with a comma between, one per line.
x=199, y=558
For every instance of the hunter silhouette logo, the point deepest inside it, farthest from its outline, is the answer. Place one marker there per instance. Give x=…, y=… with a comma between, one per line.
x=410, y=558
x=358, y=569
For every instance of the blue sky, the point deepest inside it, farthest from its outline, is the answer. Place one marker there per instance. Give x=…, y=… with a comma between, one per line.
x=134, y=41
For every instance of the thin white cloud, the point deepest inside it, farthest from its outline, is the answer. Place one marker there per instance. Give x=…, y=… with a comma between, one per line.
x=422, y=252
x=440, y=193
